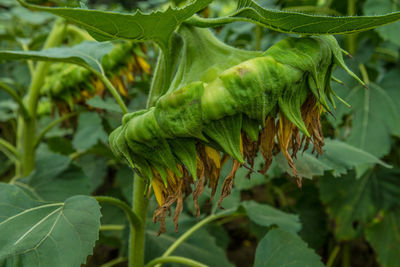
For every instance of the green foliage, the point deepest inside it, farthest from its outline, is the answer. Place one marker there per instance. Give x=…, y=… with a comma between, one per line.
x=293, y=22
x=157, y=26
x=34, y=233
x=375, y=118
x=87, y=54
x=338, y=157
x=205, y=95
x=281, y=248
x=267, y=216
x=384, y=238
x=353, y=203
x=89, y=131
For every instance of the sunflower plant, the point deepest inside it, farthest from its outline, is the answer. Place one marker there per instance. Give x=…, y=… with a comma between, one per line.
x=212, y=110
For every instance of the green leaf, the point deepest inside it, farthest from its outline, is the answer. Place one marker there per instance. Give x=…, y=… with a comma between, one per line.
x=102, y=25
x=312, y=216
x=388, y=32
x=280, y=248
x=294, y=22
x=34, y=233
x=89, y=132
x=390, y=82
x=384, y=237
x=338, y=157
x=375, y=117
x=201, y=246
x=107, y=104
x=268, y=216
x=352, y=203
x=86, y=54
x=54, y=178
x=95, y=168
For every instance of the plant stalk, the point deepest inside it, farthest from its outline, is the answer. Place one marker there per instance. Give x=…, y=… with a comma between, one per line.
x=351, y=38
x=137, y=234
x=29, y=125
x=332, y=256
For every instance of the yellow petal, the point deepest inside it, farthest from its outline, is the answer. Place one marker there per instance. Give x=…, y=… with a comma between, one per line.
x=214, y=155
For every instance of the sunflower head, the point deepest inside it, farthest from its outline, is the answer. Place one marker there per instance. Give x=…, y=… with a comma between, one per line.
x=269, y=103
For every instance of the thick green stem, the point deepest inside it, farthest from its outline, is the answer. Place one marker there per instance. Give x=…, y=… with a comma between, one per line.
x=29, y=62
x=258, y=31
x=176, y=259
x=351, y=38
x=29, y=126
x=84, y=35
x=137, y=235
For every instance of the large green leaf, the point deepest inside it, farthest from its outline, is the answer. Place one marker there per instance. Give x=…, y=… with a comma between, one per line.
x=86, y=54
x=157, y=26
x=294, y=22
x=89, y=132
x=55, y=178
x=375, y=119
x=338, y=157
x=268, y=216
x=280, y=249
x=374, y=7
x=384, y=238
x=34, y=233
x=352, y=203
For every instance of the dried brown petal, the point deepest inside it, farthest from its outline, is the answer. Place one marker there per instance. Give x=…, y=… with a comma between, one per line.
x=267, y=142
x=228, y=183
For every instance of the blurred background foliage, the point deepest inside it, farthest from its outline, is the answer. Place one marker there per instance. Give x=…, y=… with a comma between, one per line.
x=348, y=209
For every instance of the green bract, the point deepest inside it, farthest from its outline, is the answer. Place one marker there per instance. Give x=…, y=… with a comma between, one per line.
x=233, y=101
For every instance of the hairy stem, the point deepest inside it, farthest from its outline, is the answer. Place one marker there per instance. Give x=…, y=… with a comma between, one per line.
x=137, y=235
x=351, y=38
x=29, y=126
x=176, y=259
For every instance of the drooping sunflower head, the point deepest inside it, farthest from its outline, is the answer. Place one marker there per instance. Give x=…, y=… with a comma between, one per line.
x=69, y=85
x=269, y=103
